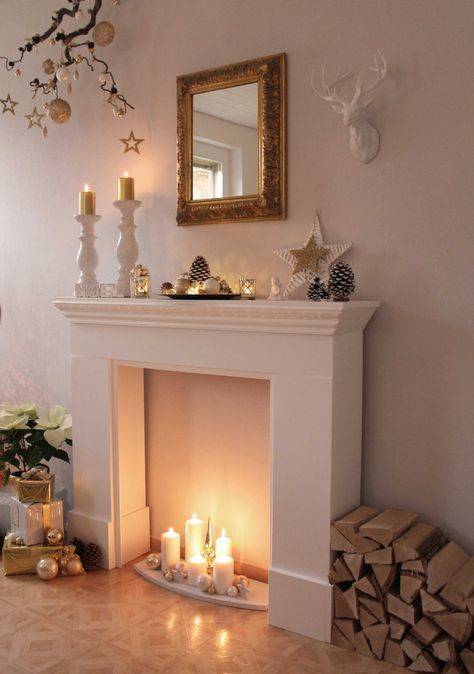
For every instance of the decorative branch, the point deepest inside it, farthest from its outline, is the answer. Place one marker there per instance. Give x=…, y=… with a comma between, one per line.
x=72, y=54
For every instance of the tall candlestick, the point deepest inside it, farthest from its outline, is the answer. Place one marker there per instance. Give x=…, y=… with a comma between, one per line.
x=194, y=536
x=223, y=545
x=170, y=552
x=197, y=565
x=125, y=187
x=127, y=248
x=223, y=573
x=86, y=201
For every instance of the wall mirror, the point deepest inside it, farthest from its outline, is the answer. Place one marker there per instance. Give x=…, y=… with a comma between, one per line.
x=231, y=143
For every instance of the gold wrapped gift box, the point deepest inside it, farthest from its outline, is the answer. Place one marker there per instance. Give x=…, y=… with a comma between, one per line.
x=23, y=559
x=35, y=490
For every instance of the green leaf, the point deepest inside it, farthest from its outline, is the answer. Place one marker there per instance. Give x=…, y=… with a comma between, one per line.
x=68, y=441
x=61, y=454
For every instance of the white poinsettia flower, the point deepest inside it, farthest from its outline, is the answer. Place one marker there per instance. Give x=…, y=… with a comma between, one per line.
x=56, y=424
x=10, y=421
x=20, y=410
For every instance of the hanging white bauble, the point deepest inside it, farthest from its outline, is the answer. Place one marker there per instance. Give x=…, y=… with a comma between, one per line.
x=103, y=34
x=59, y=110
x=63, y=74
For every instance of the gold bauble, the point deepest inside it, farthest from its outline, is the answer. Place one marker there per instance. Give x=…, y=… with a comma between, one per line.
x=74, y=566
x=168, y=575
x=47, y=568
x=153, y=561
x=59, y=110
x=48, y=66
x=54, y=537
x=103, y=34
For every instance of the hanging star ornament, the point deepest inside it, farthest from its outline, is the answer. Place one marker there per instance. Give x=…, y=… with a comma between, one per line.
x=311, y=260
x=131, y=143
x=8, y=104
x=35, y=119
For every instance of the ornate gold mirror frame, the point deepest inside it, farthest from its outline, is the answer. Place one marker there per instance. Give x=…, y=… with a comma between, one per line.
x=270, y=202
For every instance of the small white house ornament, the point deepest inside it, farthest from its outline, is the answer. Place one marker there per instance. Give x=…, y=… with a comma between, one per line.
x=364, y=140
x=312, y=259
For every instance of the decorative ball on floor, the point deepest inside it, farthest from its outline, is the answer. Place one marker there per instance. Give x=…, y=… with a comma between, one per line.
x=47, y=568
x=341, y=282
x=153, y=561
x=74, y=566
x=54, y=536
x=199, y=270
x=317, y=291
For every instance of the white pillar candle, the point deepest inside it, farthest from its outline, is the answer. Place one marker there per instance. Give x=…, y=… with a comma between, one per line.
x=196, y=566
x=194, y=537
x=223, y=545
x=170, y=552
x=223, y=573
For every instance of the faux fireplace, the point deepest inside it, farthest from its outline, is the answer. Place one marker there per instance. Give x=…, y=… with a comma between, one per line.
x=311, y=355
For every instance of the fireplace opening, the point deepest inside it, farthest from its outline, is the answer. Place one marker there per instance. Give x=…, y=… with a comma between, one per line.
x=207, y=452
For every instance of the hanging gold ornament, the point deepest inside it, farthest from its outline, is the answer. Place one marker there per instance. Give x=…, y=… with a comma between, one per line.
x=75, y=75
x=79, y=58
x=45, y=132
x=131, y=143
x=59, y=110
x=119, y=112
x=47, y=568
x=18, y=72
x=209, y=550
x=8, y=104
x=69, y=89
x=48, y=66
x=54, y=536
x=35, y=119
x=103, y=34
x=63, y=74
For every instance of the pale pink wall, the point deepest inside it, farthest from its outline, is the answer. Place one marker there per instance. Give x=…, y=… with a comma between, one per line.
x=207, y=452
x=410, y=212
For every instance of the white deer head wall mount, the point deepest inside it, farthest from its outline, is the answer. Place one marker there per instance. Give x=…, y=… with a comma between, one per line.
x=364, y=138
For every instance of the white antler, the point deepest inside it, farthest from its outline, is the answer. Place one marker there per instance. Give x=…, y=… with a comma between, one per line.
x=330, y=91
x=380, y=69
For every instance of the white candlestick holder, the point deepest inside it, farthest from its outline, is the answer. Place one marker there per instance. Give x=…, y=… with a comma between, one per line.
x=87, y=258
x=127, y=247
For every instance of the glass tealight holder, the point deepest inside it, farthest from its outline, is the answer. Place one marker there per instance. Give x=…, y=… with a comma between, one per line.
x=247, y=288
x=140, y=282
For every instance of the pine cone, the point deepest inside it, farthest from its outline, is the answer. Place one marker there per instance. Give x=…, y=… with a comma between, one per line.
x=199, y=270
x=79, y=548
x=91, y=558
x=317, y=291
x=341, y=282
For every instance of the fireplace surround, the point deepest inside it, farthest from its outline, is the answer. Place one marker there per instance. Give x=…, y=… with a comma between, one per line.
x=311, y=353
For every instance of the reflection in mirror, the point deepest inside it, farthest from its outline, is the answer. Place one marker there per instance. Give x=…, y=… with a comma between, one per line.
x=225, y=142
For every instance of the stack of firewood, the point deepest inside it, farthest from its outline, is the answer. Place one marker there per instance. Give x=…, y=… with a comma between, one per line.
x=402, y=592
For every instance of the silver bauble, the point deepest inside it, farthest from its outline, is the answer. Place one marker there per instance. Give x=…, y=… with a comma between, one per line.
x=47, y=568
x=243, y=580
x=204, y=582
x=168, y=576
x=103, y=34
x=74, y=566
x=153, y=561
x=59, y=110
x=181, y=285
x=232, y=592
x=54, y=537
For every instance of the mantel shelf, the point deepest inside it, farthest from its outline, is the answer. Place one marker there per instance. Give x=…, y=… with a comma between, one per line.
x=291, y=316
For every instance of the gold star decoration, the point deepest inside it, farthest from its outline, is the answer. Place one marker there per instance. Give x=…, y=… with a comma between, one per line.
x=131, y=143
x=35, y=119
x=8, y=104
x=312, y=259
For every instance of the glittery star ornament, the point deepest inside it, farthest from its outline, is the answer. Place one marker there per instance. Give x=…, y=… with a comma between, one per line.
x=35, y=119
x=131, y=143
x=8, y=104
x=312, y=259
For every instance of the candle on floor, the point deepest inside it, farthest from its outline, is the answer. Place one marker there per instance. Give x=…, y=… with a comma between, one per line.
x=125, y=188
x=223, y=545
x=196, y=566
x=170, y=552
x=223, y=573
x=86, y=201
x=194, y=537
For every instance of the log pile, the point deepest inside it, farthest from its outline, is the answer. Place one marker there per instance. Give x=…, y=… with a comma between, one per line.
x=402, y=592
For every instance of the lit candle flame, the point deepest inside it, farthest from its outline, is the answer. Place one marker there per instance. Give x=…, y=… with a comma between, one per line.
x=171, y=530
x=223, y=534
x=87, y=188
x=125, y=174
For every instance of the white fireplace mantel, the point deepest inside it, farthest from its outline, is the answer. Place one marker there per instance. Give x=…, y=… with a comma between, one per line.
x=311, y=352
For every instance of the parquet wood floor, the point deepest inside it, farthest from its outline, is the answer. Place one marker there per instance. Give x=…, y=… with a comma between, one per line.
x=115, y=622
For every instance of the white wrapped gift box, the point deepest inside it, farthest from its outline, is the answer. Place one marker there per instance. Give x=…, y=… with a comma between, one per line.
x=30, y=521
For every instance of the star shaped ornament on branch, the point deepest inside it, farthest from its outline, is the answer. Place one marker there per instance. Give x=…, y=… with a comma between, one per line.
x=131, y=143
x=312, y=259
x=8, y=104
x=35, y=119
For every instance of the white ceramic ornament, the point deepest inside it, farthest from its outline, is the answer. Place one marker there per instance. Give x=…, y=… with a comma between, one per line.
x=275, y=291
x=182, y=285
x=204, y=582
x=153, y=561
x=211, y=286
